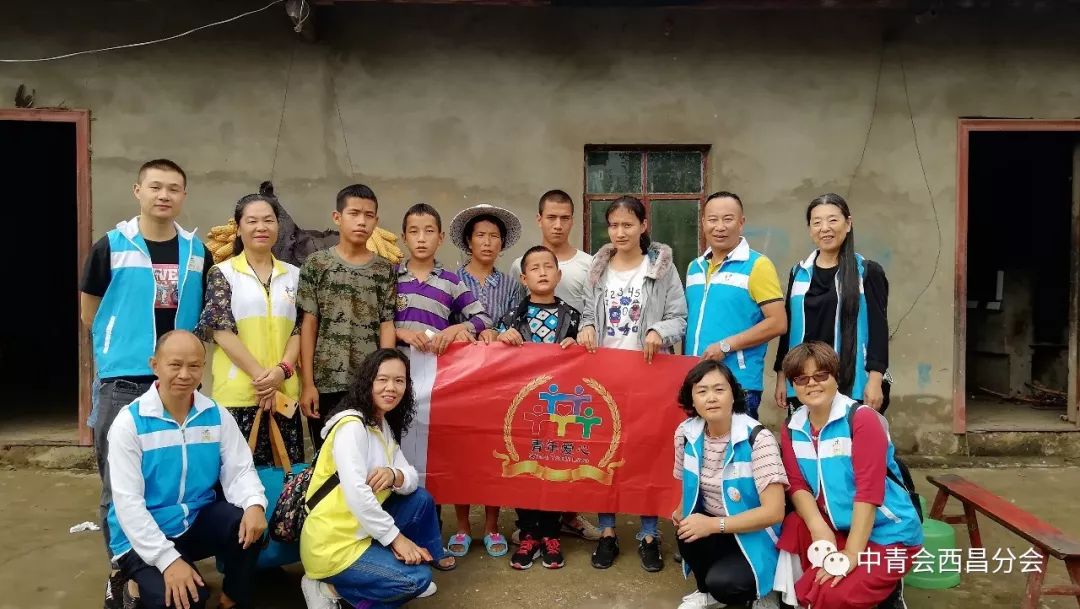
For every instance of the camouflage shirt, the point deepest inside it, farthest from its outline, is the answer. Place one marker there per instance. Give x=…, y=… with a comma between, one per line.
x=350, y=302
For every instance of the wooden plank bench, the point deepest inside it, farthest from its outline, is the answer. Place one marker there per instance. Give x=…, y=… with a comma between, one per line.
x=1048, y=539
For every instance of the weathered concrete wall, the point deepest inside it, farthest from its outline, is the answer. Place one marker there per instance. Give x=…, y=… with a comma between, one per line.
x=462, y=105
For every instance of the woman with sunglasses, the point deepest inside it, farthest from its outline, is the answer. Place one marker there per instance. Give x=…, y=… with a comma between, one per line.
x=839, y=298
x=844, y=484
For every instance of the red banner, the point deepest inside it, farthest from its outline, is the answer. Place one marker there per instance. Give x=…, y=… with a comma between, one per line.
x=540, y=427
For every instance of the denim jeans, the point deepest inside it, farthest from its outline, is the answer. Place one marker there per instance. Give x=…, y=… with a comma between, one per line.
x=112, y=396
x=753, y=401
x=648, y=525
x=378, y=579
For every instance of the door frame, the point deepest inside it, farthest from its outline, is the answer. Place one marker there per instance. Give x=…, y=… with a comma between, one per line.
x=964, y=128
x=84, y=230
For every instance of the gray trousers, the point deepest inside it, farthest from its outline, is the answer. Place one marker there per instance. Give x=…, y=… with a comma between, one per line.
x=112, y=396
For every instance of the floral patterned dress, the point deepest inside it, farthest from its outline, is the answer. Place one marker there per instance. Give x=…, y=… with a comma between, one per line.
x=217, y=316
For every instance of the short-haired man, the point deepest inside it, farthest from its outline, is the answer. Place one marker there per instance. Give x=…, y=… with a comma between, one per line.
x=555, y=217
x=169, y=449
x=734, y=299
x=143, y=279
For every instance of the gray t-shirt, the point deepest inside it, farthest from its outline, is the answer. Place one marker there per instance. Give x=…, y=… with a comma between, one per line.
x=571, y=288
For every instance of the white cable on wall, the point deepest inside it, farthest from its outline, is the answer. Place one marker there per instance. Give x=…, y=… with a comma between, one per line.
x=145, y=43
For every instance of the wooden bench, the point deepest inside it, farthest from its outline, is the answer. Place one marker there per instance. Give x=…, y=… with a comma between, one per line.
x=1049, y=540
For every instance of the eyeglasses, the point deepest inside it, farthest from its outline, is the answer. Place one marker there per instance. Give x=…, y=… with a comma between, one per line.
x=804, y=379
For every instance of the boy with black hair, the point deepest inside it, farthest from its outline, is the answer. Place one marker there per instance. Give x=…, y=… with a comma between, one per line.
x=347, y=295
x=429, y=296
x=541, y=318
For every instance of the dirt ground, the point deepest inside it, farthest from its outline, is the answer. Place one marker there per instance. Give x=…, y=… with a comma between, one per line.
x=45, y=567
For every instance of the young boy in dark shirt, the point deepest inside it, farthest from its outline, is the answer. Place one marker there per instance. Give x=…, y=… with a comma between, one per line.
x=540, y=318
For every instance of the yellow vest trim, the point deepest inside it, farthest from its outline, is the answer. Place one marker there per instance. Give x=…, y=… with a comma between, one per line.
x=264, y=323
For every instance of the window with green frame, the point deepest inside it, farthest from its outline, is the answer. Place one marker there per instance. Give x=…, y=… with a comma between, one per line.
x=669, y=180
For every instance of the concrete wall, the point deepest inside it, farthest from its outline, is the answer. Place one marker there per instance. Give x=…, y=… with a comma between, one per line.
x=462, y=105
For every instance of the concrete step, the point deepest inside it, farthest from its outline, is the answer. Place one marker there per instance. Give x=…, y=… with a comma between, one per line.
x=1063, y=444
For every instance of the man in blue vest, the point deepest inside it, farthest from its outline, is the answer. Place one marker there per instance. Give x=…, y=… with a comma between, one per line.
x=142, y=279
x=169, y=451
x=734, y=298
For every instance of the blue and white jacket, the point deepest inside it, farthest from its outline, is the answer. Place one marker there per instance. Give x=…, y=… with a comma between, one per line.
x=740, y=492
x=124, y=330
x=722, y=306
x=163, y=472
x=828, y=469
x=800, y=285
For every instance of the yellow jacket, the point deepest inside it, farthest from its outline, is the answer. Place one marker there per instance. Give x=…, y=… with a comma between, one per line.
x=264, y=323
x=343, y=525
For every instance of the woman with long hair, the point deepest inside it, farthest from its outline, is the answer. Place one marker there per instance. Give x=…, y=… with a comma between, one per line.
x=733, y=484
x=634, y=300
x=374, y=537
x=840, y=298
x=250, y=314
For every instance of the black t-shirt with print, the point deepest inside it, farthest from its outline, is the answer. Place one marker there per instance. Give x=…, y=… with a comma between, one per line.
x=165, y=257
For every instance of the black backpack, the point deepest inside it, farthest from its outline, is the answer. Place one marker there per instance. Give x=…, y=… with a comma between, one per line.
x=904, y=480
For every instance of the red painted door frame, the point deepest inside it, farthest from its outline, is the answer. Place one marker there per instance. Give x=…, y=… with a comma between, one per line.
x=964, y=128
x=81, y=120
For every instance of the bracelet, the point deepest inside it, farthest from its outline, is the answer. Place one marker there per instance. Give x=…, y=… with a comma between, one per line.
x=723, y=525
x=287, y=369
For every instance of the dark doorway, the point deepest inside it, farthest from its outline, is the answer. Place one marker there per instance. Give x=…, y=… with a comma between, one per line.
x=1018, y=280
x=39, y=339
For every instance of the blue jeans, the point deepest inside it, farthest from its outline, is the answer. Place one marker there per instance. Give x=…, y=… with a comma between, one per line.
x=648, y=525
x=378, y=579
x=753, y=401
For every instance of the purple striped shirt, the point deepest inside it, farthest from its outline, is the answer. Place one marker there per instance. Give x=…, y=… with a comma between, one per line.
x=429, y=305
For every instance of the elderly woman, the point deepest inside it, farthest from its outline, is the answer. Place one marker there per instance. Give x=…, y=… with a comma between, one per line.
x=846, y=491
x=733, y=485
x=482, y=232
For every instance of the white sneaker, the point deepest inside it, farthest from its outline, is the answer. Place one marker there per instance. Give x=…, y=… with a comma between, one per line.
x=431, y=589
x=699, y=600
x=317, y=595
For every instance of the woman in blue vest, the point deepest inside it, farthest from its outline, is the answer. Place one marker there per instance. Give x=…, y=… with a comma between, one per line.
x=839, y=298
x=733, y=483
x=250, y=314
x=847, y=491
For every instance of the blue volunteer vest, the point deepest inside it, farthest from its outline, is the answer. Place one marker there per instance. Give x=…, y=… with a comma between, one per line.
x=803, y=272
x=124, y=330
x=181, y=464
x=828, y=469
x=723, y=307
x=740, y=493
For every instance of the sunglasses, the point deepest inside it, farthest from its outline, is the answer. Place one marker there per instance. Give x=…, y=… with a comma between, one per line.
x=804, y=379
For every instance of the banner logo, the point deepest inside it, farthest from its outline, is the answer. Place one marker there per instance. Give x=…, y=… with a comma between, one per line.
x=559, y=428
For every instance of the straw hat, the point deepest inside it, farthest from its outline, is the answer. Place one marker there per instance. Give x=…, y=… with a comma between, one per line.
x=457, y=225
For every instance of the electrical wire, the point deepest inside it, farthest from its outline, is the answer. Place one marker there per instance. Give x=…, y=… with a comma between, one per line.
x=144, y=43
x=929, y=192
x=281, y=119
x=870, y=126
x=341, y=123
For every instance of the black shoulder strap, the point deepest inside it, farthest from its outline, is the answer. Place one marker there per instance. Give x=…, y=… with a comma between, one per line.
x=754, y=434
x=851, y=426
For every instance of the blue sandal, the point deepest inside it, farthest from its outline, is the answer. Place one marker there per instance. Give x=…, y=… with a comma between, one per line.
x=459, y=539
x=492, y=539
